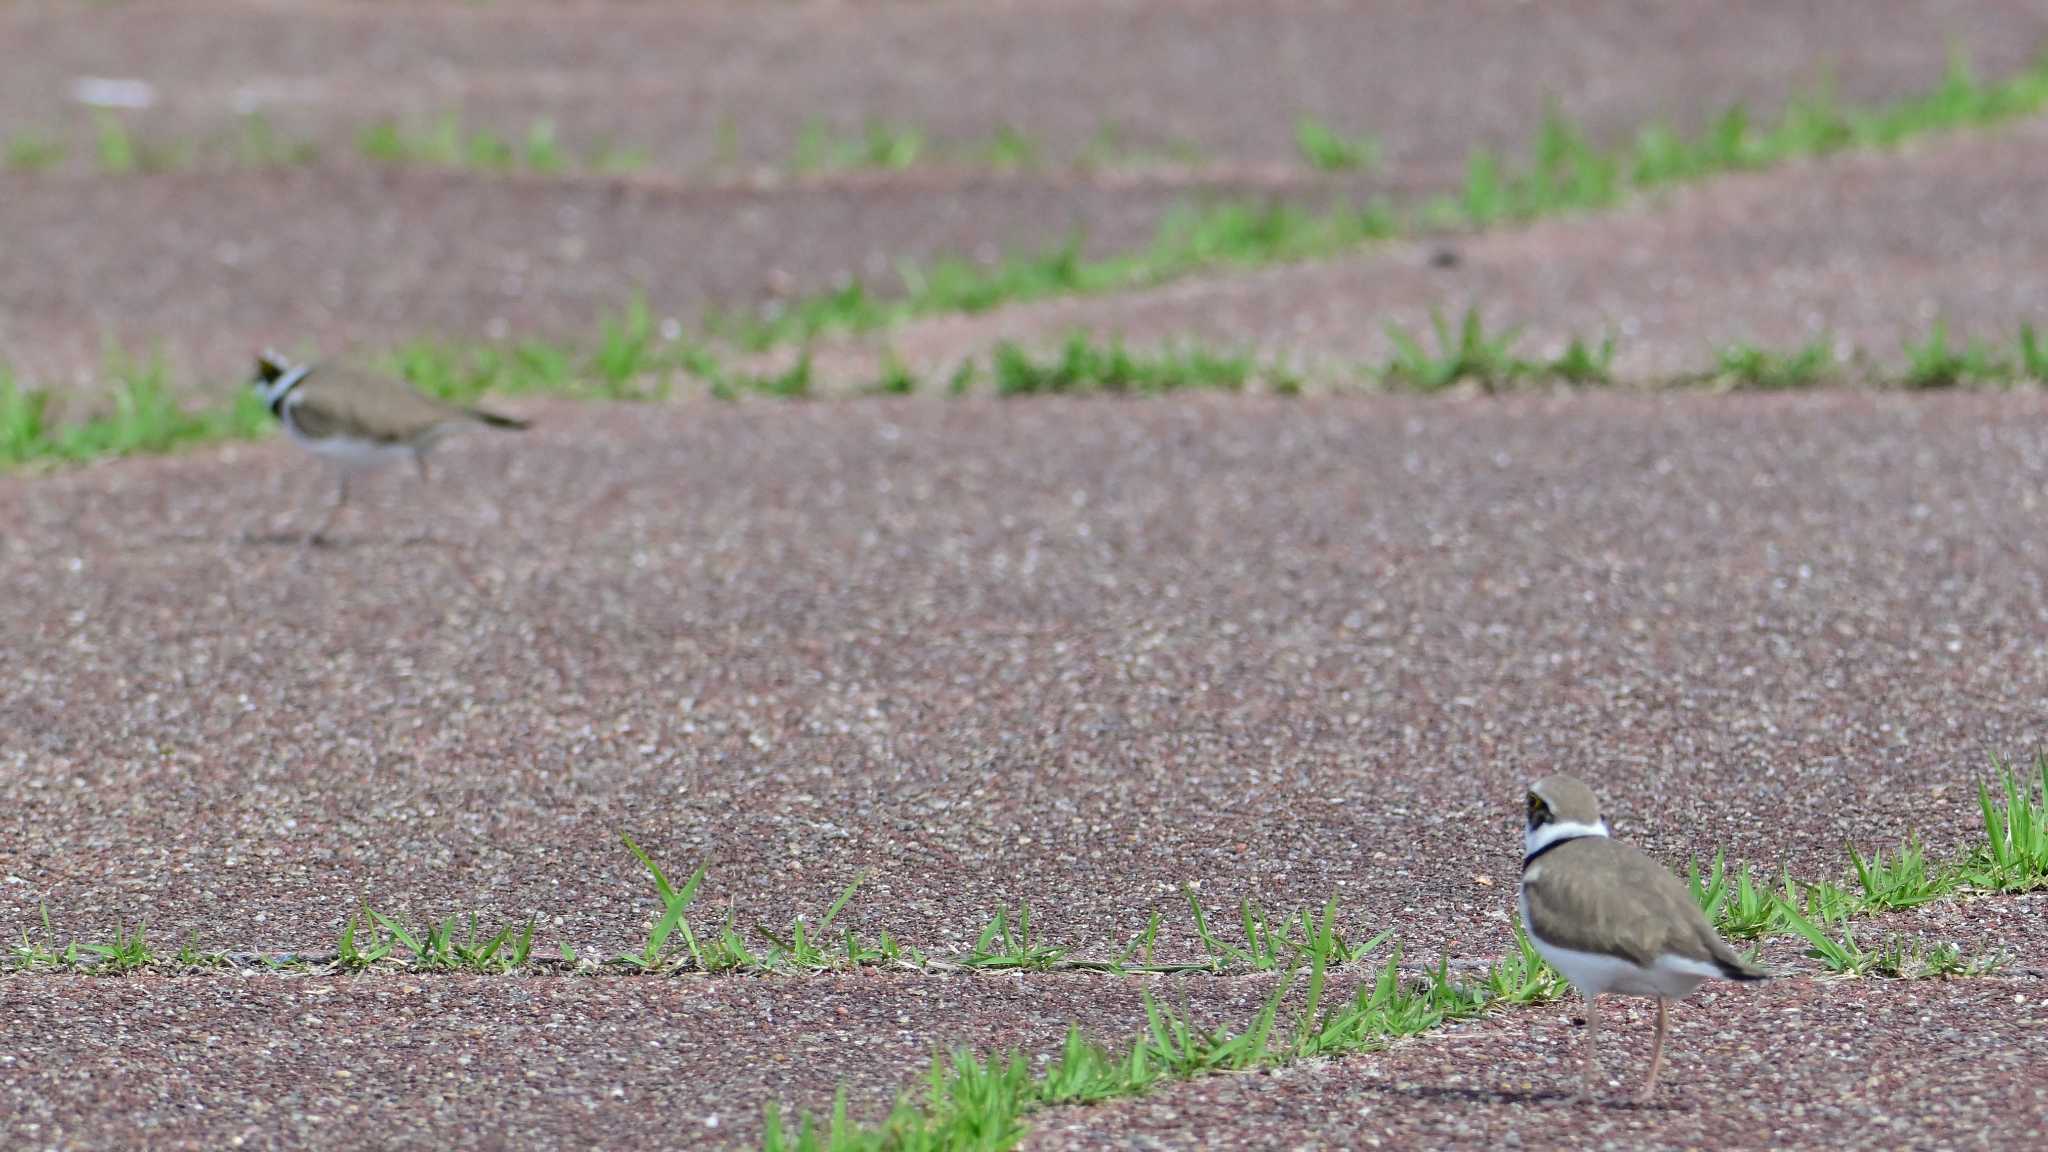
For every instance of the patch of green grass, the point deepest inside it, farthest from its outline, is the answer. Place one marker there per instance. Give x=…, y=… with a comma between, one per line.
x=1582, y=363
x=628, y=361
x=881, y=145
x=30, y=955
x=192, y=958
x=1566, y=173
x=143, y=418
x=259, y=145
x=24, y=421
x=1082, y=365
x=1742, y=906
x=447, y=143
x=1897, y=958
x=2014, y=855
x=126, y=952
x=1821, y=901
x=625, y=348
x=792, y=383
x=1902, y=881
x=1912, y=958
x=1841, y=956
x=372, y=937
x=1746, y=366
x=115, y=146
x=33, y=151
x=2032, y=355
x=1188, y=238
x=1270, y=944
x=615, y=160
x=1006, y=150
x=542, y=150
x=121, y=152
x=801, y=946
x=896, y=378
x=1934, y=363
x=632, y=357
x=1327, y=150
x=1469, y=353
x=1006, y=943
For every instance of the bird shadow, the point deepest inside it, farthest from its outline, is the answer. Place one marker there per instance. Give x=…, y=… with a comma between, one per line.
x=298, y=540
x=1465, y=1095
x=1459, y=1094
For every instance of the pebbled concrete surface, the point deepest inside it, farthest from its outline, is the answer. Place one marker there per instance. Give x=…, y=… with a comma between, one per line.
x=1075, y=654
x=496, y=1062
x=203, y=264
x=1072, y=653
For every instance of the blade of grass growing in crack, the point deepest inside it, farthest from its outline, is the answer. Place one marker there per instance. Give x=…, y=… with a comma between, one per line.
x=1746, y=366
x=675, y=901
x=1903, y=880
x=2014, y=855
x=1468, y=354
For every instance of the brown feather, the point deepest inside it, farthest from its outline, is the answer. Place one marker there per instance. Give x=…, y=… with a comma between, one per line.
x=1595, y=894
x=343, y=401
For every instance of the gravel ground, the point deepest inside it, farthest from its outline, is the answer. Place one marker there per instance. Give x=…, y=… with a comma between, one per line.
x=1070, y=653
x=1792, y=1064
x=1229, y=78
x=1778, y=259
x=1075, y=654
x=202, y=265
x=484, y=1062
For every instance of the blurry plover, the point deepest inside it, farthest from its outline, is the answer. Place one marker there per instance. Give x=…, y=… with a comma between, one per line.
x=358, y=419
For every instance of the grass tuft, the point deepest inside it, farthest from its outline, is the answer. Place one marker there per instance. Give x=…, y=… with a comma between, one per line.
x=1934, y=363
x=1582, y=363
x=1327, y=150
x=1565, y=171
x=2014, y=855
x=32, y=151
x=1469, y=353
x=448, y=143
x=881, y=145
x=1741, y=905
x=1903, y=881
x=1746, y=366
x=1082, y=365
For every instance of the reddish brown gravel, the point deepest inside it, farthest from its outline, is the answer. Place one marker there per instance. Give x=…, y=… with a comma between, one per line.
x=1075, y=655
x=467, y=1062
x=1070, y=653
x=1229, y=78
x=202, y=265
